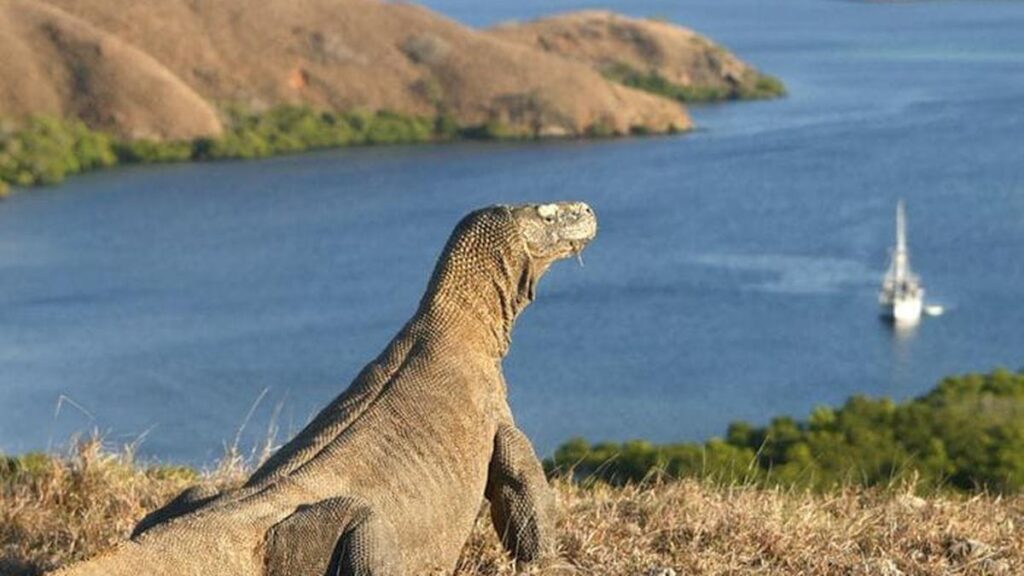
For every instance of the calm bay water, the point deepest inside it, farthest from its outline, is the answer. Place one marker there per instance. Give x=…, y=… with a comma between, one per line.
x=734, y=276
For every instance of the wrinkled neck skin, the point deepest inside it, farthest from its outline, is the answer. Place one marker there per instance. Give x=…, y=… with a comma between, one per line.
x=483, y=280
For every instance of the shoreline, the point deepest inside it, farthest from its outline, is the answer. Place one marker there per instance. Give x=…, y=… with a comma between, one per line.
x=48, y=150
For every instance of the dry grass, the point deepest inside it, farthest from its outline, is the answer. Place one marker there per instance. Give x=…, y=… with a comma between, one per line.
x=56, y=509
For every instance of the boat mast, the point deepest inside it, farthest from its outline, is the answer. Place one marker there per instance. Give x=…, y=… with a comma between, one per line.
x=900, y=257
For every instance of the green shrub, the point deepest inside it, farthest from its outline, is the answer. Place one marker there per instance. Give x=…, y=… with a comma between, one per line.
x=44, y=150
x=763, y=87
x=30, y=465
x=491, y=130
x=446, y=127
x=966, y=434
x=150, y=151
x=759, y=86
x=292, y=129
x=93, y=150
x=239, y=144
x=388, y=128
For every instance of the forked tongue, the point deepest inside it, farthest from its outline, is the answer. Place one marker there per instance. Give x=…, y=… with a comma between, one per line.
x=577, y=248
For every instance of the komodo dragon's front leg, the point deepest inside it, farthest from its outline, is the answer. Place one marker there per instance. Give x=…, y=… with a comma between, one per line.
x=522, y=503
x=334, y=537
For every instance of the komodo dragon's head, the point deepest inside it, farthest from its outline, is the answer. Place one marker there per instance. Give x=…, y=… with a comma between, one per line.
x=494, y=258
x=554, y=231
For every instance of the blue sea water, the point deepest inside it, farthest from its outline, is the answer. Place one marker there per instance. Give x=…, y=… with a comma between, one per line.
x=734, y=277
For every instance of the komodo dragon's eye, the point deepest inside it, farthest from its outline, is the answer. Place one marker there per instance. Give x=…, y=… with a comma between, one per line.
x=547, y=212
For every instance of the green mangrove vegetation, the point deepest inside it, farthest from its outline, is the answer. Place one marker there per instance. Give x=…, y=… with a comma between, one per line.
x=45, y=150
x=966, y=434
x=758, y=87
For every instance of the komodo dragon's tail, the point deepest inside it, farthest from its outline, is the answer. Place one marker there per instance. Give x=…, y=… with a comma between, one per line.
x=126, y=560
x=199, y=551
x=134, y=559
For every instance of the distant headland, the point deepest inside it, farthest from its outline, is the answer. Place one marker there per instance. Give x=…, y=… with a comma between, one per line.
x=92, y=83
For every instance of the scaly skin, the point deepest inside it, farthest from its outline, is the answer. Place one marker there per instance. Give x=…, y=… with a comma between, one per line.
x=388, y=479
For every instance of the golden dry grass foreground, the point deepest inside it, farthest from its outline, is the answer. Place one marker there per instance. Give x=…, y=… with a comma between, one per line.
x=54, y=510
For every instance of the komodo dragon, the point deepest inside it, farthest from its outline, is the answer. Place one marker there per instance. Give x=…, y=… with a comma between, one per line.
x=389, y=478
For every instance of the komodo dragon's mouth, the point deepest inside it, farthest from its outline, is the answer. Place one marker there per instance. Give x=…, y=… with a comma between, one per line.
x=583, y=232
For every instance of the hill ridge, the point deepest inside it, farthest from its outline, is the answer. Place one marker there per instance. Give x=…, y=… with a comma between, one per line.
x=68, y=67
x=338, y=55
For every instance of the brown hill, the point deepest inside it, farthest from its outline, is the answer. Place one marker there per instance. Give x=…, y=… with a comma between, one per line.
x=136, y=67
x=56, y=64
x=620, y=47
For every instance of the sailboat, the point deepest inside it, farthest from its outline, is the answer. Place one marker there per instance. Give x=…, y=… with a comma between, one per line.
x=902, y=296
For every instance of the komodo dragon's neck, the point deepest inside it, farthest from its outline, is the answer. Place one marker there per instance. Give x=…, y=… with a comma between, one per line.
x=483, y=280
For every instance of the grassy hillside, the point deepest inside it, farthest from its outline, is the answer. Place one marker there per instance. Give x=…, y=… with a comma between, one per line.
x=162, y=70
x=57, y=509
x=649, y=55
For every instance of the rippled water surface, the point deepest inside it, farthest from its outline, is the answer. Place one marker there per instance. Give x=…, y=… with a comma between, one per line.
x=734, y=276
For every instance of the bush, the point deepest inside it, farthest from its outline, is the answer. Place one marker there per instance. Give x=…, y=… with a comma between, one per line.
x=755, y=86
x=763, y=87
x=149, y=151
x=387, y=128
x=93, y=150
x=45, y=150
x=292, y=129
x=491, y=130
x=446, y=127
x=241, y=145
x=966, y=434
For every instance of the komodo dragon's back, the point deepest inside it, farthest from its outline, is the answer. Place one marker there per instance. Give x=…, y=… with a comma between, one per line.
x=389, y=477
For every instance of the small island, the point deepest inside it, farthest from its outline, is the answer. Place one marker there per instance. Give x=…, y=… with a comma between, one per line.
x=98, y=83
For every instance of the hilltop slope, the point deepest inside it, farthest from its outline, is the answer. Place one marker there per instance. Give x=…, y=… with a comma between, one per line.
x=53, y=510
x=56, y=64
x=649, y=54
x=128, y=66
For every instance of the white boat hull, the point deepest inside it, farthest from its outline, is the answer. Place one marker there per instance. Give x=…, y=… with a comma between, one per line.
x=906, y=310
